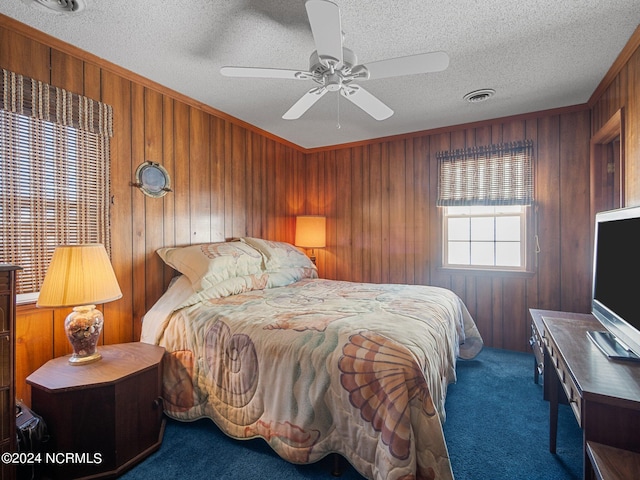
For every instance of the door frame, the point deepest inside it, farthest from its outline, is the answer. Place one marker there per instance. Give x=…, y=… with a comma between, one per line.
x=604, y=150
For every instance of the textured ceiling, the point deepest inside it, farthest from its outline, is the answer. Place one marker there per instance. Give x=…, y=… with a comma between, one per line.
x=536, y=55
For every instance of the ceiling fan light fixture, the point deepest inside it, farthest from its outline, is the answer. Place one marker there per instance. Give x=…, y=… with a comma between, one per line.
x=478, y=96
x=62, y=6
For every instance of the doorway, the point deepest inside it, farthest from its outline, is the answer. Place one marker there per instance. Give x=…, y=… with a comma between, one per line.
x=607, y=166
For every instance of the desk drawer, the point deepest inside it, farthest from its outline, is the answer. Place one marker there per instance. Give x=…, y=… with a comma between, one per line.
x=568, y=383
x=538, y=348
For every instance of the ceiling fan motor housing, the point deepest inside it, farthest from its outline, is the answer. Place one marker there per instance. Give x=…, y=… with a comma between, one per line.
x=327, y=72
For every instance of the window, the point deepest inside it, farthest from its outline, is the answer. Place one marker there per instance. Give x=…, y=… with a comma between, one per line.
x=54, y=175
x=485, y=193
x=485, y=236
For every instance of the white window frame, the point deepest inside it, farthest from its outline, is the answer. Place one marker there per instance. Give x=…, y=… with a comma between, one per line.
x=455, y=212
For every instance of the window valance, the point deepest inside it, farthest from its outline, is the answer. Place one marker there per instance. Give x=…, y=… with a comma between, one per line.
x=500, y=174
x=26, y=96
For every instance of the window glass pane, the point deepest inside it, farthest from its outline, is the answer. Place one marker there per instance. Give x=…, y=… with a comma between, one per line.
x=482, y=229
x=508, y=254
x=458, y=229
x=458, y=253
x=508, y=229
x=482, y=253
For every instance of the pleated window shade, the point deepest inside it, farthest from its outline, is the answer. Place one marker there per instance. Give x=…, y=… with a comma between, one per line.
x=499, y=174
x=54, y=174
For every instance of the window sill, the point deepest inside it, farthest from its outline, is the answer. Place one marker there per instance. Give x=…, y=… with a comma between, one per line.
x=26, y=298
x=486, y=272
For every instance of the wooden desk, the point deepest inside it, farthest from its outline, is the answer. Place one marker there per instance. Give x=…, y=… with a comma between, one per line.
x=604, y=394
x=611, y=463
x=537, y=341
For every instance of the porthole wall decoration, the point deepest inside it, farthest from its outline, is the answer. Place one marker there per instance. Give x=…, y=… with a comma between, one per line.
x=152, y=179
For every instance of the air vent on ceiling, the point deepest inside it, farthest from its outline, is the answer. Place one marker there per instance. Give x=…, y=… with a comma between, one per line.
x=64, y=6
x=479, y=95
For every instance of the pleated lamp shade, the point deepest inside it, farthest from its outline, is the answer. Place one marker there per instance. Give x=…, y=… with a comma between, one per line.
x=79, y=275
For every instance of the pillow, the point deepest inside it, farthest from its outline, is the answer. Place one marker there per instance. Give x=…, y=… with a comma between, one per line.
x=278, y=255
x=287, y=276
x=210, y=263
x=227, y=288
x=248, y=283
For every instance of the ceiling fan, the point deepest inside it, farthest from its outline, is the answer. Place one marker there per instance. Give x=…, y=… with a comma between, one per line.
x=335, y=68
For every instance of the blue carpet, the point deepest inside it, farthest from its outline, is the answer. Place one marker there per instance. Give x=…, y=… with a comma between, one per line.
x=497, y=428
x=497, y=423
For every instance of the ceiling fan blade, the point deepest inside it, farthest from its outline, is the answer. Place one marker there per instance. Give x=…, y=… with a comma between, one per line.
x=367, y=102
x=254, y=72
x=409, y=65
x=324, y=18
x=305, y=103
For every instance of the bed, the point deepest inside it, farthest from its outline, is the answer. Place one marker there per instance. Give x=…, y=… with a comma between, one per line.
x=259, y=344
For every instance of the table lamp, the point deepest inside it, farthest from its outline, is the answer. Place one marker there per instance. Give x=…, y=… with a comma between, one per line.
x=311, y=233
x=80, y=276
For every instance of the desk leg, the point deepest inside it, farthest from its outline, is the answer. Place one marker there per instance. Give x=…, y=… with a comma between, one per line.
x=551, y=375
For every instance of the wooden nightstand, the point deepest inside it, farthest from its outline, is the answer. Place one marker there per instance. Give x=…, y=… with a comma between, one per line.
x=105, y=416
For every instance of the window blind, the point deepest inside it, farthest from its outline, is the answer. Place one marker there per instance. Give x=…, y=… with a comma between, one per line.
x=500, y=174
x=54, y=174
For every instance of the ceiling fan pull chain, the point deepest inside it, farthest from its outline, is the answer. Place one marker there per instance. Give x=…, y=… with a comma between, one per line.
x=339, y=126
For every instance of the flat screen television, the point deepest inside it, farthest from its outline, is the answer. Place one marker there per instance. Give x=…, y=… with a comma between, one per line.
x=615, y=300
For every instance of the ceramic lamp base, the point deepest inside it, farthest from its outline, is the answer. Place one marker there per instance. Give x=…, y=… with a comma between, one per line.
x=83, y=327
x=84, y=359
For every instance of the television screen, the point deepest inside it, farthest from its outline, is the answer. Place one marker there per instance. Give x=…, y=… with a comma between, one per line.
x=616, y=296
x=618, y=268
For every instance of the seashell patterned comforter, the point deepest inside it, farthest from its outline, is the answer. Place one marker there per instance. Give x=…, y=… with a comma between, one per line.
x=321, y=366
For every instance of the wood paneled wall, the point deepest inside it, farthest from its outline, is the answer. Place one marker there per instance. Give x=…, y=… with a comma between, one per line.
x=227, y=181
x=383, y=225
x=622, y=92
x=231, y=179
